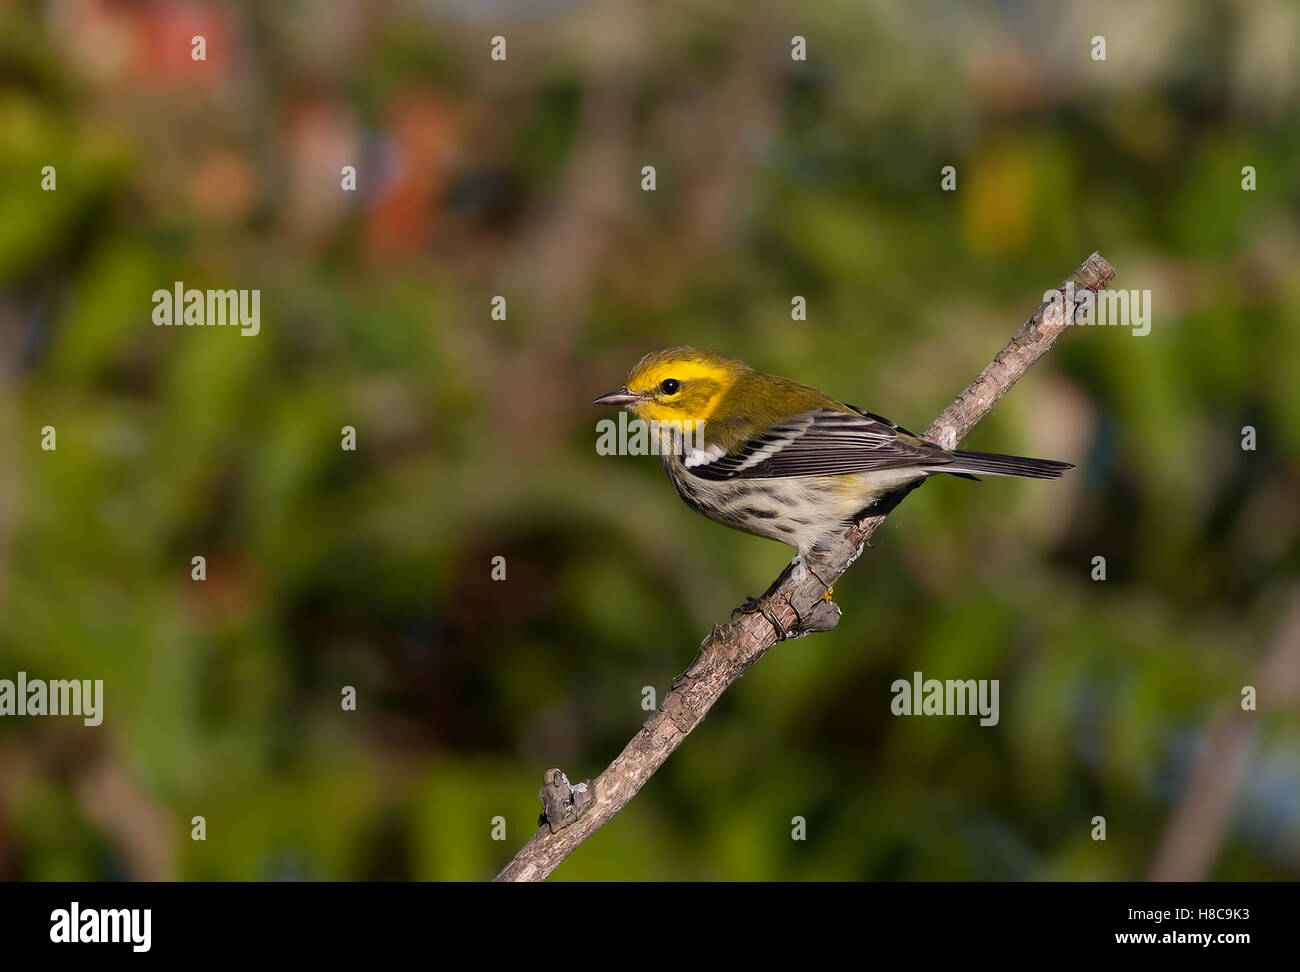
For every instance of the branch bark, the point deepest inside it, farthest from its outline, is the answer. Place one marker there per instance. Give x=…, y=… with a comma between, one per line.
x=575, y=812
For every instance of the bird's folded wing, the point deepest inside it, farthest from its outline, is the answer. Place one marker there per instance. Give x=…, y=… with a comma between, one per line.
x=824, y=442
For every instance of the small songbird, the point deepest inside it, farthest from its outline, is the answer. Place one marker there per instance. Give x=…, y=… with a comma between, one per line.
x=778, y=459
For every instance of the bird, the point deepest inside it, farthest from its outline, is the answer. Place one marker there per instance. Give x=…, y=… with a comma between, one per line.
x=779, y=459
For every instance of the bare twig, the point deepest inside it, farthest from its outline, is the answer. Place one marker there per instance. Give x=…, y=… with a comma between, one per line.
x=574, y=813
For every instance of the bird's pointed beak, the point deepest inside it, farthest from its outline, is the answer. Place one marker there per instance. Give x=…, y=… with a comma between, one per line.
x=620, y=397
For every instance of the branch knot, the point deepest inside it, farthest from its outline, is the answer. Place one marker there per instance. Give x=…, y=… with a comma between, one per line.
x=562, y=802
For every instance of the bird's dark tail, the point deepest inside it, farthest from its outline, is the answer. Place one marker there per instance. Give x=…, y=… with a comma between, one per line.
x=992, y=464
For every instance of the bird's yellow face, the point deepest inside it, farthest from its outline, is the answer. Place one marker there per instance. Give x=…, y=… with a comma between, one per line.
x=680, y=385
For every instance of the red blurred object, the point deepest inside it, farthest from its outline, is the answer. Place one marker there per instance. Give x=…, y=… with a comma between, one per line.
x=420, y=131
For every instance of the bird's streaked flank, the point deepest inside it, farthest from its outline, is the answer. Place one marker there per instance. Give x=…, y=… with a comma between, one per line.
x=782, y=460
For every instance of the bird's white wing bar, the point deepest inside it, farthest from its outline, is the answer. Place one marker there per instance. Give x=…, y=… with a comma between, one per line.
x=779, y=438
x=701, y=457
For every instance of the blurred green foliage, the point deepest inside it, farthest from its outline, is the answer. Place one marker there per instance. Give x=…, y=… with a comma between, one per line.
x=475, y=437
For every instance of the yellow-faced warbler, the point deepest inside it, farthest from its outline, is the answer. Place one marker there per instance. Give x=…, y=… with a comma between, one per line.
x=778, y=459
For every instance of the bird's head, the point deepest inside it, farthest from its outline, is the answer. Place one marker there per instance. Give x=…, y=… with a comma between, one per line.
x=677, y=385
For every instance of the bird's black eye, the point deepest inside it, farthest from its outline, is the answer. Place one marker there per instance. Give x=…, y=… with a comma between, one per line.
x=670, y=386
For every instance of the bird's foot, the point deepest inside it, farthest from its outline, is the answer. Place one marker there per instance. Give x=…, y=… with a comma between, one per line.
x=760, y=605
x=800, y=572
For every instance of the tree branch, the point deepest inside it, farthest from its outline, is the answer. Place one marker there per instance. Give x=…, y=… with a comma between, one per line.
x=574, y=813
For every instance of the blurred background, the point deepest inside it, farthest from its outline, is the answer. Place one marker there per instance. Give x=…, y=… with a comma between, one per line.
x=521, y=178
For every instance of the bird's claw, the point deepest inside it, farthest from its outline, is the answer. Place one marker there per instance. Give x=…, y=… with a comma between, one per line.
x=759, y=605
